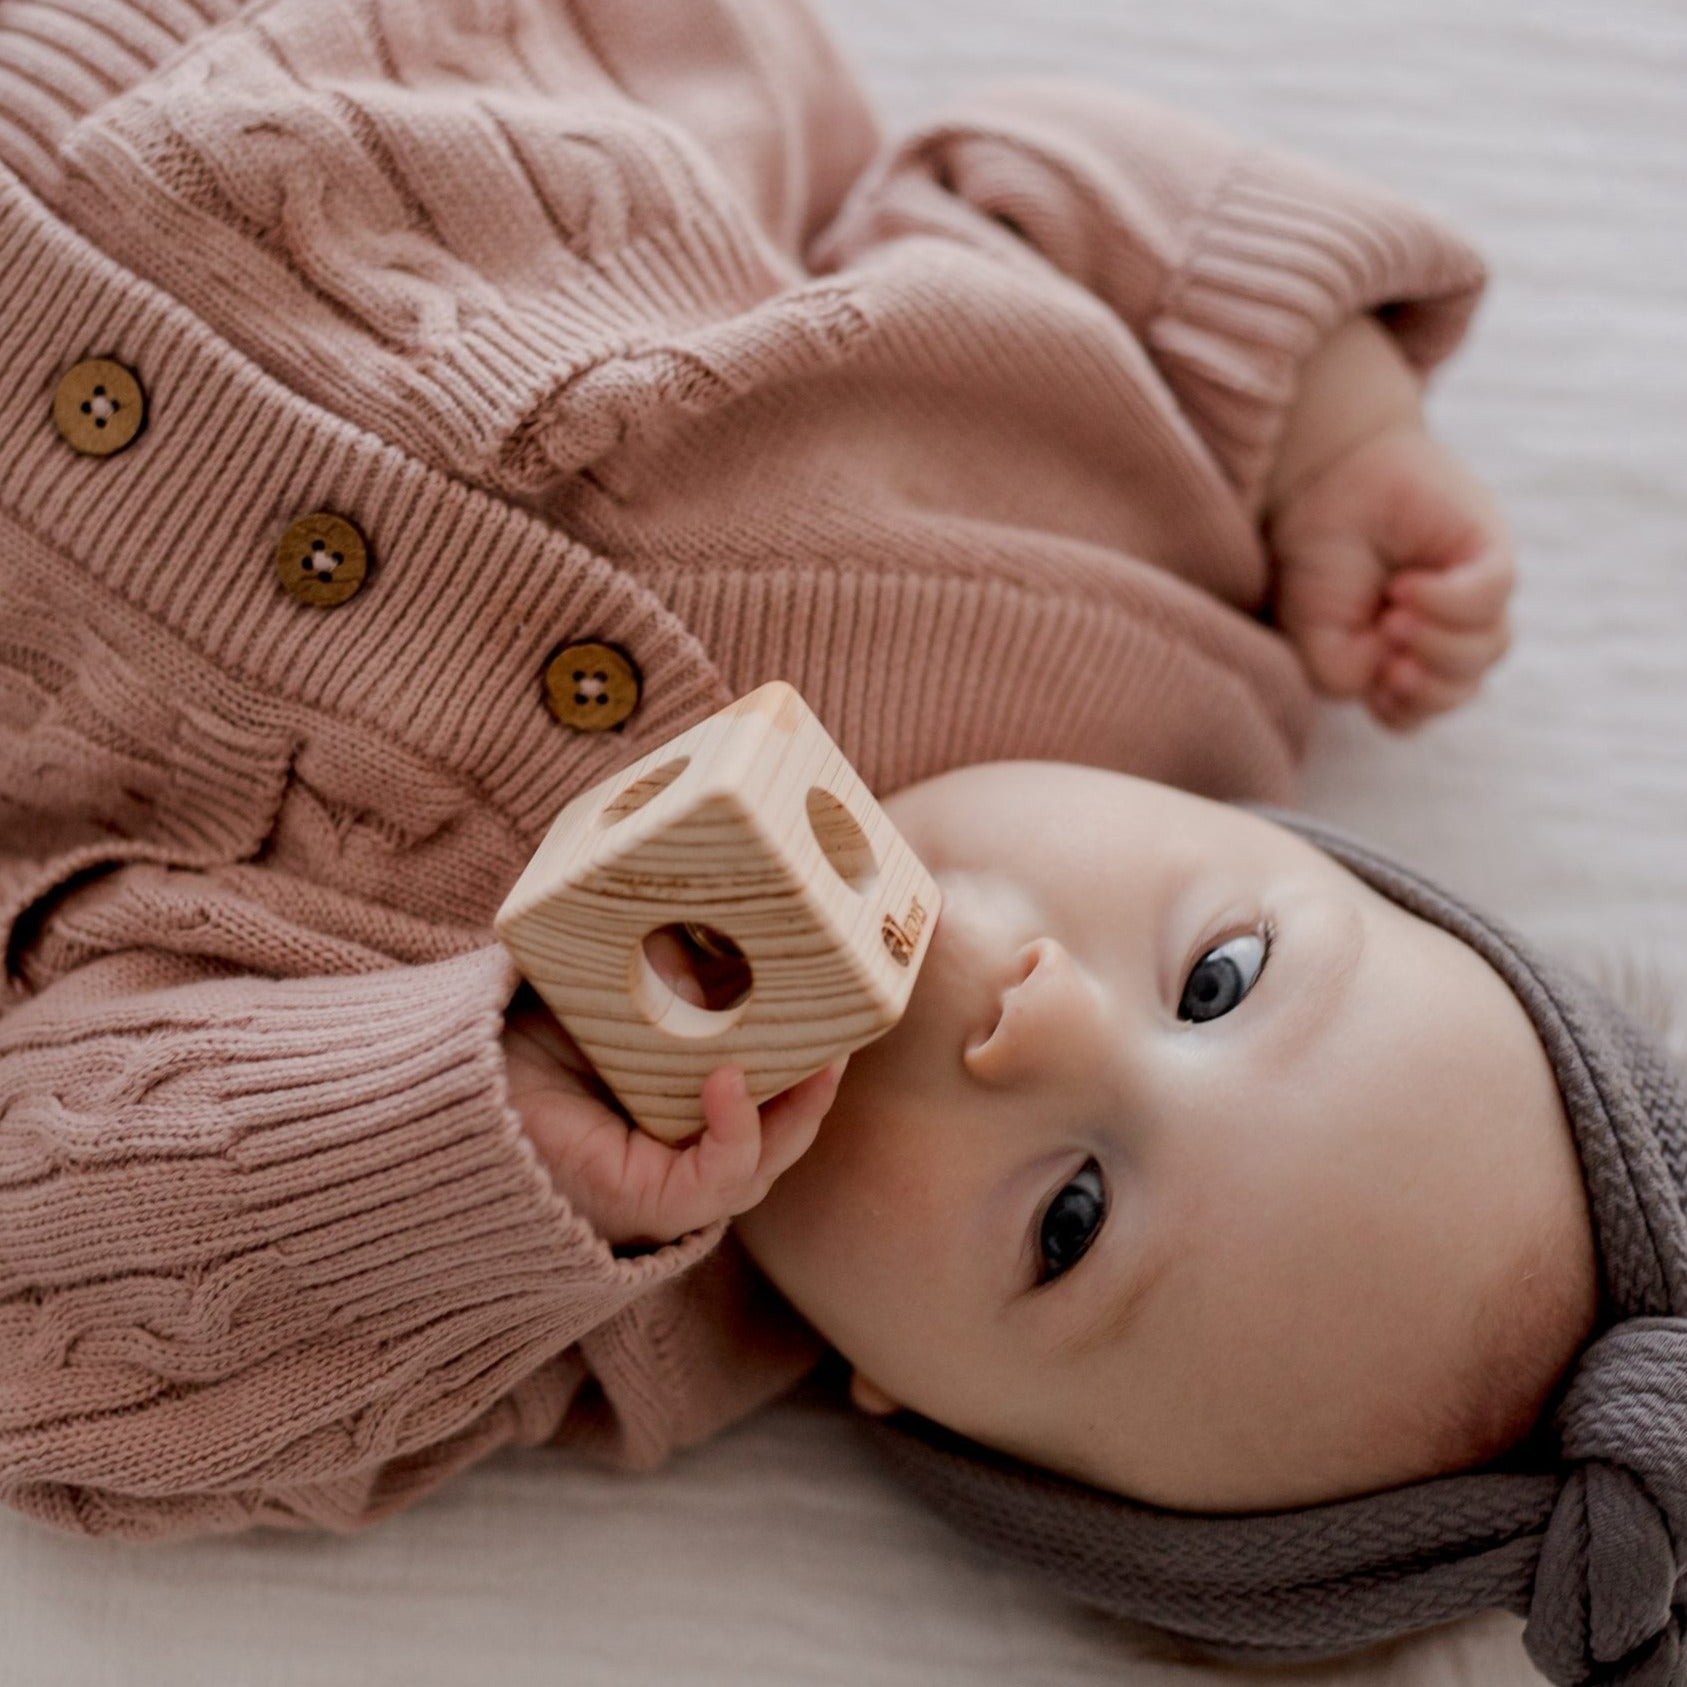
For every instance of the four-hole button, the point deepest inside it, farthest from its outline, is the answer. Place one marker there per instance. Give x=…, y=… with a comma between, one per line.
x=322, y=559
x=591, y=686
x=99, y=407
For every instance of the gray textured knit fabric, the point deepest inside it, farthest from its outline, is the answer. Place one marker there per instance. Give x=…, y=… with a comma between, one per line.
x=1582, y=1529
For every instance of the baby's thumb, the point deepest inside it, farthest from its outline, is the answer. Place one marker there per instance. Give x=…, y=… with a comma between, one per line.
x=1327, y=602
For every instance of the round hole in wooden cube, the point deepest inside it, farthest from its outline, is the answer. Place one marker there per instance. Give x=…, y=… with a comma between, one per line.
x=700, y=964
x=841, y=839
x=642, y=791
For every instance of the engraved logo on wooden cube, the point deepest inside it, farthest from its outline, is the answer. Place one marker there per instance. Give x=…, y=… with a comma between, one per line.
x=900, y=939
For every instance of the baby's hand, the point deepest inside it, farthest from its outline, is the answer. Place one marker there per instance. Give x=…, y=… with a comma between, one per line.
x=1393, y=570
x=635, y=1189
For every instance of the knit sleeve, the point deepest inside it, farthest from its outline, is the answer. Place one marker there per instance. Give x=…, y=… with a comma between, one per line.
x=459, y=226
x=1229, y=261
x=273, y=1250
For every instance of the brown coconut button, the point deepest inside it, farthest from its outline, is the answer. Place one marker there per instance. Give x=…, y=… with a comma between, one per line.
x=322, y=559
x=591, y=686
x=99, y=407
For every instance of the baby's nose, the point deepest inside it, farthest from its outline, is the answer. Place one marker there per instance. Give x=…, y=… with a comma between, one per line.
x=1042, y=1012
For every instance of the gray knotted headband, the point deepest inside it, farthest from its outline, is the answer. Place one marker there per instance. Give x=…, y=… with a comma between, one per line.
x=1582, y=1529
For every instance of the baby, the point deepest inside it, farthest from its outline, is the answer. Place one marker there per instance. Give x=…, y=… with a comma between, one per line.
x=1153, y=1187
x=1156, y=1129
x=410, y=414
x=1169, y=1056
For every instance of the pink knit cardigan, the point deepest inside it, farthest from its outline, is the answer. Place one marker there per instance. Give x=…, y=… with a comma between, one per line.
x=614, y=320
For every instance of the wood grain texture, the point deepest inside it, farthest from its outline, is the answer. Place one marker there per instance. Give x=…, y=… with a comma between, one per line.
x=752, y=825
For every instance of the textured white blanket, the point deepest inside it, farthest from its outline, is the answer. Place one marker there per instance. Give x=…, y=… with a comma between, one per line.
x=1555, y=133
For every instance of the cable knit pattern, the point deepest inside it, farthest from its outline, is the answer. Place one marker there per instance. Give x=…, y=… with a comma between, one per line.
x=613, y=320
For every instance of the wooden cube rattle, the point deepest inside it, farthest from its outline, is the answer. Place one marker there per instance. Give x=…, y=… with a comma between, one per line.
x=751, y=832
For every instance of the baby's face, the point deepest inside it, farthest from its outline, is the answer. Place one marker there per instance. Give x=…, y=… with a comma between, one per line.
x=1266, y=1198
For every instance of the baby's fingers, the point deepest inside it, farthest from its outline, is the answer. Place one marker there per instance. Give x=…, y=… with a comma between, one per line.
x=791, y=1120
x=1406, y=691
x=746, y=1147
x=727, y=1154
x=1470, y=594
x=1453, y=653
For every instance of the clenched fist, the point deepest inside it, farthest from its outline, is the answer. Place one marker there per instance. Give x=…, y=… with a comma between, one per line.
x=1392, y=570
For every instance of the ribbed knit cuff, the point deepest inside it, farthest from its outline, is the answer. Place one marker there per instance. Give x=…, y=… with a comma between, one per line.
x=684, y=1361
x=1284, y=254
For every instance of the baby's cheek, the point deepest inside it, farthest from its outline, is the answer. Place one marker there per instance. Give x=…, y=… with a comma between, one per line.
x=883, y=1211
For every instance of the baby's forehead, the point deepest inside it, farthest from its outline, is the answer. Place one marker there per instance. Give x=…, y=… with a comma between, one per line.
x=1453, y=985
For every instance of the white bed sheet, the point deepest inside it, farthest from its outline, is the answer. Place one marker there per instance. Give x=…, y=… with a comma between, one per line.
x=1556, y=134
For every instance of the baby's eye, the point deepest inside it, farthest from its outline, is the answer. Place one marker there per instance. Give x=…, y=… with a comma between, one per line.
x=1215, y=982
x=1069, y=1228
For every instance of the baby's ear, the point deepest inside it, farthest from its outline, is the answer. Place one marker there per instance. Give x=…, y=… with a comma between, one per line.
x=867, y=1396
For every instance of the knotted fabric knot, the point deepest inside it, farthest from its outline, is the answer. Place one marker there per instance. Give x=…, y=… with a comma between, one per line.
x=1606, y=1607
